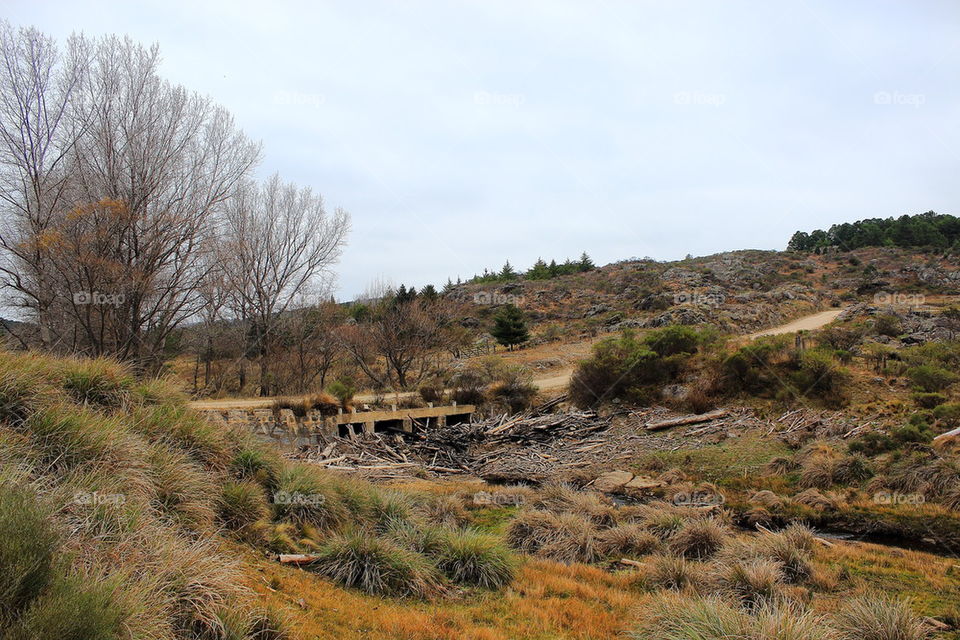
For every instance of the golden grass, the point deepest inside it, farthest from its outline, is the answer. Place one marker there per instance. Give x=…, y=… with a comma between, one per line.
x=546, y=600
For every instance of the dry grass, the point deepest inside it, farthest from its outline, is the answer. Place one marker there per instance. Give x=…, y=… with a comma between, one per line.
x=879, y=618
x=699, y=538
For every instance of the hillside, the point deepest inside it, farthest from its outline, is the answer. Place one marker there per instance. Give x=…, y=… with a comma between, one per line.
x=737, y=292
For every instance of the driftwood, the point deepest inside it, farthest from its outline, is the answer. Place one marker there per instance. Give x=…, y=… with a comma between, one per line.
x=630, y=563
x=694, y=419
x=297, y=558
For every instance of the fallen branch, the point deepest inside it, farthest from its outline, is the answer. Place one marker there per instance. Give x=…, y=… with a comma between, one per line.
x=695, y=419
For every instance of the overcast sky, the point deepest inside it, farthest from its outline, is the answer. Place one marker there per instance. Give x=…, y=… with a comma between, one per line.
x=460, y=134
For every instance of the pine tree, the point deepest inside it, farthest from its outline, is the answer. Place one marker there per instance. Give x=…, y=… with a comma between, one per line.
x=539, y=270
x=510, y=327
x=429, y=293
x=585, y=264
x=508, y=273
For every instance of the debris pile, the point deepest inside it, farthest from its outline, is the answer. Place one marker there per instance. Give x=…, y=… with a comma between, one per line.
x=543, y=442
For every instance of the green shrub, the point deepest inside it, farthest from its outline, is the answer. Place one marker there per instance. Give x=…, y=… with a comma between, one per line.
x=853, y=469
x=27, y=545
x=376, y=566
x=931, y=378
x=888, y=325
x=816, y=375
x=676, y=340
x=928, y=400
x=911, y=433
x=470, y=557
x=948, y=413
x=629, y=368
x=872, y=443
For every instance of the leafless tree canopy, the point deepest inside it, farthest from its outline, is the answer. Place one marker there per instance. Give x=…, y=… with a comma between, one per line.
x=277, y=241
x=117, y=187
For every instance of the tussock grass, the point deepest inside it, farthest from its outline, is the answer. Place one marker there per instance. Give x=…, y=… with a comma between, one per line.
x=752, y=582
x=698, y=538
x=28, y=542
x=470, y=557
x=446, y=510
x=673, y=572
x=630, y=540
x=376, y=565
x=561, y=498
x=257, y=464
x=673, y=617
x=182, y=491
x=564, y=537
x=304, y=495
x=242, y=505
x=72, y=608
x=879, y=618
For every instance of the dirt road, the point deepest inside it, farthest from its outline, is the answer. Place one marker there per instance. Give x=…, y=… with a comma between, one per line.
x=556, y=381
x=806, y=323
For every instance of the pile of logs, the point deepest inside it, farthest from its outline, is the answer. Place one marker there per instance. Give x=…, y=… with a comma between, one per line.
x=534, y=445
x=458, y=448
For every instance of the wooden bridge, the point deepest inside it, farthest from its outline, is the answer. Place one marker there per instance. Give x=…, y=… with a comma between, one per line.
x=287, y=429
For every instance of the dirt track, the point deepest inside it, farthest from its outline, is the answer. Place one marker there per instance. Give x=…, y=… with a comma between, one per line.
x=554, y=382
x=806, y=323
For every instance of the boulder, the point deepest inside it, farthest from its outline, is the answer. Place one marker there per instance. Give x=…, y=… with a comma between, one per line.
x=612, y=481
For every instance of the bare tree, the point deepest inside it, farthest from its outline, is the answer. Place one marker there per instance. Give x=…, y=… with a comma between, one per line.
x=113, y=177
x=39, y=126
x=278, y=241
x=399, y=343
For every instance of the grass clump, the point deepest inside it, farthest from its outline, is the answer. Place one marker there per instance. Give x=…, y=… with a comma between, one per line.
x=242, y=505
x=752, y=582
x=879, y=618
x=376, y=565
x=470, y=557
x=304, y=496
x=564, y=537
x=698, y=538
x=27, y=546
x=673, y=617
x=627, y=540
